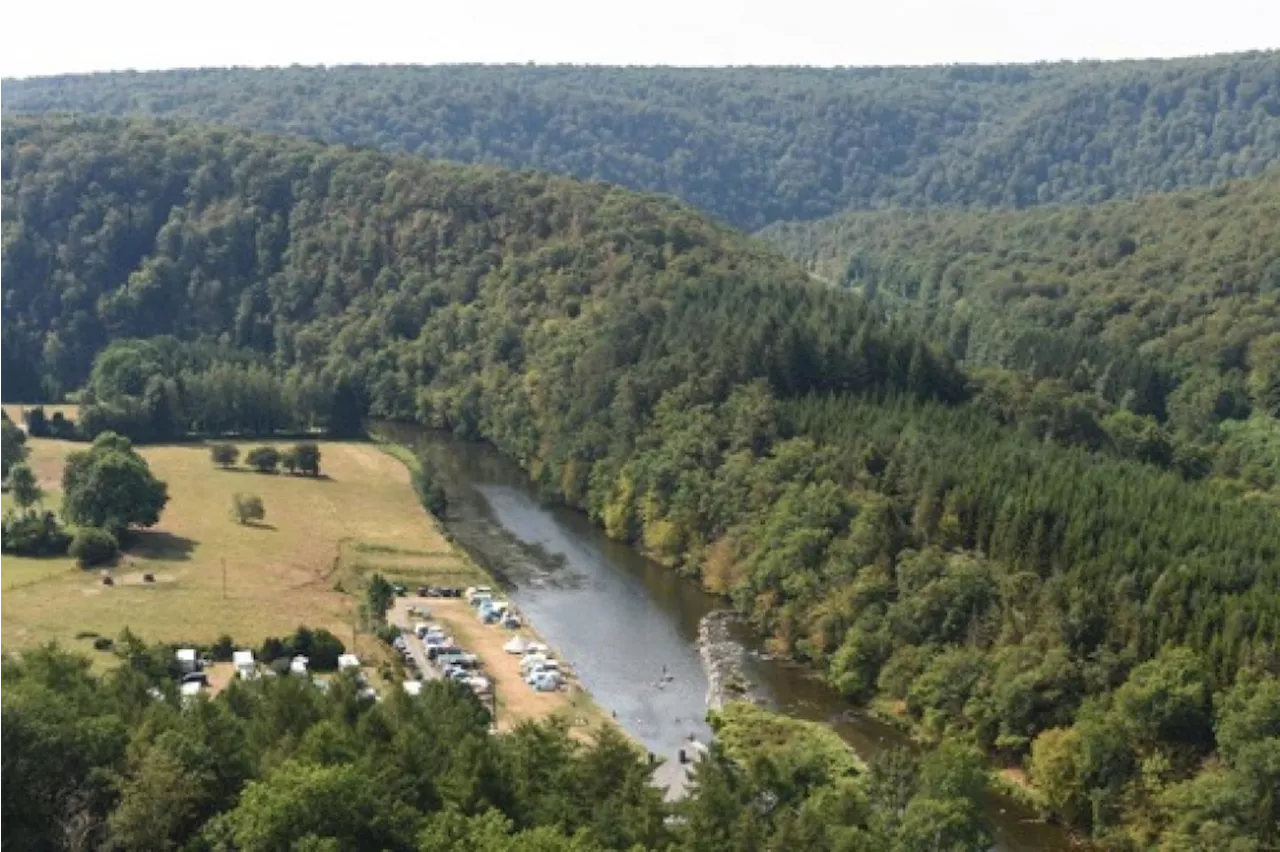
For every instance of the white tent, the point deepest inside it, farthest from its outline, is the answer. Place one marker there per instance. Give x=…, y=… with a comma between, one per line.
x=517, y=645
x=348, y=661
x=413, y=687
x=299, y=665
x=186, y=657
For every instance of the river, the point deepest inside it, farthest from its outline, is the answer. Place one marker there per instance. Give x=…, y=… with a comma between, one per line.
x=623, y=622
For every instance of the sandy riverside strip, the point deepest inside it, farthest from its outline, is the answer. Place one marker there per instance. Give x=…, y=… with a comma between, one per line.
x=517, y=701
x=460, y=620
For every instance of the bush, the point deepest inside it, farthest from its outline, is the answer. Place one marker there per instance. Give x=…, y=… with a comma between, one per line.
x=103, y=643
x=37, y=423
x=33, y=534
x=224, y=455
x=61, y=426
x=272, y=649
x=430, y=492
x=388, y=633
x=92, y=546
x=248, y=507
x=221, y=650
x=263, y=459
x=306, y=457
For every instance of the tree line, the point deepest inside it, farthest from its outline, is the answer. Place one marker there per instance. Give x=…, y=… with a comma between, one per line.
x=119, y=761
x=756, y=146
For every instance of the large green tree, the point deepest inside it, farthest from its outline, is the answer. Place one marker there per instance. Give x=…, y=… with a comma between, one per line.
x=111, y=486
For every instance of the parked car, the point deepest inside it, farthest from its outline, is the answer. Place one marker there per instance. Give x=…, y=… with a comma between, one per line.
x=545, y=681
x=530, y=660
x=544, y=668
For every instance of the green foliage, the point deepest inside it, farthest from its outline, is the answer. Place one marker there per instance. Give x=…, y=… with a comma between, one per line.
x=263, y=459
x=277, y=764
x=224, y=455
x=196, y=388
x=91, y=546
x=111, y=487
x=319, y=646
x=32, y=533
x=24, y=487
x=748, y=733
x=756, y=145
x=1164, y=307
x=430, y=491
x=379, y=594
x=306, y=458
x=307, y=802
x=247, y=508
x=14, y=449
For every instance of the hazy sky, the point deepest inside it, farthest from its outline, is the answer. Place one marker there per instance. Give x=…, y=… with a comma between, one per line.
x=56, y=36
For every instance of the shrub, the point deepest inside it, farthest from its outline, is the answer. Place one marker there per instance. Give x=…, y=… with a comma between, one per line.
x=93, y=546
x=221, y=650
x=263, y=459
x=37, y=423
x=306, y=457
x=33, y=534
x=248, y=507
x=61, y=426
x=103, y=643
x=224, y=455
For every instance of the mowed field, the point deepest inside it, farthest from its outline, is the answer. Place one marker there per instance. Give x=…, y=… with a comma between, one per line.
x=278, y=575
x=14, y=410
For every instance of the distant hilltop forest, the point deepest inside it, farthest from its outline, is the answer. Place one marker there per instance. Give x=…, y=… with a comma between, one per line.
x=754, y=146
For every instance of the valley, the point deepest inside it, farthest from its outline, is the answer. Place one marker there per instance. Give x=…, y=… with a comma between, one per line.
x=977, y=435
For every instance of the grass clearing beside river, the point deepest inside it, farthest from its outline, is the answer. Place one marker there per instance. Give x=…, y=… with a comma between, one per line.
x=279, y=574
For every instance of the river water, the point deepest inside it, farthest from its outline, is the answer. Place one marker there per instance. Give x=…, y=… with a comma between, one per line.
x=624, y=622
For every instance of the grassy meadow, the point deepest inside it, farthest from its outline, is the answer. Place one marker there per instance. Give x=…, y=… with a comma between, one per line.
x=318, y=535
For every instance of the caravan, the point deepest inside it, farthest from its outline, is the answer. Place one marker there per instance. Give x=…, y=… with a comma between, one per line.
x=246, y=668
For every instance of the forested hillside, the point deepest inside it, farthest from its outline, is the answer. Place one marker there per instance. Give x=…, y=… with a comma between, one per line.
x=759, y=145
x=1168, y=306
x=1102, y=622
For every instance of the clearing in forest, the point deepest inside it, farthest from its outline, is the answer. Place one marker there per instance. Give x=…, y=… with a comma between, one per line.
x=319, y=534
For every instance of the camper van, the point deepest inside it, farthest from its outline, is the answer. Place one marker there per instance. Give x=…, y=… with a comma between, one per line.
x=246, y=669
x=477, y=594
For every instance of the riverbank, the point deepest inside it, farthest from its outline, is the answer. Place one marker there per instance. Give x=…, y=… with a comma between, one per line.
x=516, y=701
x=622, y=619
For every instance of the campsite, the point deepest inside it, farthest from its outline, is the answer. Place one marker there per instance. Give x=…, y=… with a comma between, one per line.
x=302, y=564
